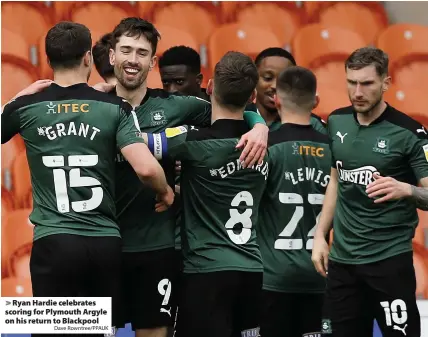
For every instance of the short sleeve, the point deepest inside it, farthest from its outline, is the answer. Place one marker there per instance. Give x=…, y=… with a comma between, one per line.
x=128, y=131
x=197, y=110
x=10, y=121
x=418, y=156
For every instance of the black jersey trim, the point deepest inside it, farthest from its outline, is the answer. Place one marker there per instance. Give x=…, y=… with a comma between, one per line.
x=289, y=132
x=220, y=129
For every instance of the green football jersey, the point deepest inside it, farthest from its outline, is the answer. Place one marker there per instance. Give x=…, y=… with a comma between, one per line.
x=71, y=137
x=220, y=198
x=395, y=146
x=316, y=121
x=142, y=228
x=299, y=165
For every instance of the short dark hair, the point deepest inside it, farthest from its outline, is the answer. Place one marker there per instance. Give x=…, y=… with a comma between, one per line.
x=235, y=78
x=100, y=52
x=66, y=43
x=181, y=55
x=269, y=52
x=135, y=27
x=368, y=56
x=298, y=85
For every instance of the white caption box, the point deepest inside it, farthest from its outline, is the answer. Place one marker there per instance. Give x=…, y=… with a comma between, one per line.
x=67, y=315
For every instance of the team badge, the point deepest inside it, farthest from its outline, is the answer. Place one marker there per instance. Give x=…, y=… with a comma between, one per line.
x=381, y=145
x=326, y=326
x=172, y=132
x=158, y=117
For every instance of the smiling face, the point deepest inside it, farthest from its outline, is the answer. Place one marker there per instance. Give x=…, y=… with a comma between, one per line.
x=366, y=88
x=132, y=59
x=269, y=69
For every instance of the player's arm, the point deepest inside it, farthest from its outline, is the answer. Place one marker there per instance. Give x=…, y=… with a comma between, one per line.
x=254, y=142
x=139, y=157
x=10, y=121
x=387, y=188
x=320, y=249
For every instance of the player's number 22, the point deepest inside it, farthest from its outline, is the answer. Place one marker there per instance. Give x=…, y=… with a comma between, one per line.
x=75, y=180
x=284, y=241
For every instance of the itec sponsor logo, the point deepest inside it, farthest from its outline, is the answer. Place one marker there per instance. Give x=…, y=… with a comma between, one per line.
x=361, y=176
x=66, y=108
x=307, y=150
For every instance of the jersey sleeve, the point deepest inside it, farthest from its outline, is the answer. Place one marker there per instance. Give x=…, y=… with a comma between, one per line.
x=329, y=129
x=10, y=121
x=171, y=142
x=128, y=131
x=197, y=110
x=418, y=156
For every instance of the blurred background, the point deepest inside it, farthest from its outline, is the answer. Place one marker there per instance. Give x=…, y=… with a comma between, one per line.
x=320, y=35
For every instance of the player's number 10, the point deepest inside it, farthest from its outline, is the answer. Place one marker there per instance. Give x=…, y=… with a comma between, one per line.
x=75, y=180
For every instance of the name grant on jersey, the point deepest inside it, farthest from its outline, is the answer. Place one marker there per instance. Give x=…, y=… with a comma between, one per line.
x=308, y=174
x=236, y=165
x=361, y=176
x=63, y=130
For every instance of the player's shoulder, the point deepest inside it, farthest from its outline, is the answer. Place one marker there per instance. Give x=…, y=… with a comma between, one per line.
x=192, y=132
x=344, y=111
x=405, y=122
x=319, y=119
x=173, y=96
x=292, y=133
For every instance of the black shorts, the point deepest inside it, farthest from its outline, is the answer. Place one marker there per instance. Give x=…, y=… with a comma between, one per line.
x=149, y=280
x=357, y=294
x=291, y=315
x=224, y=303
x=65, y=265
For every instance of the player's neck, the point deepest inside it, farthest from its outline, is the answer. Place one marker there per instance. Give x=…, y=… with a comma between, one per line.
x=66, y=78
x=370, y=116
x=269, y=117
x=220, y=112
x=134, y=97
x=300, y=118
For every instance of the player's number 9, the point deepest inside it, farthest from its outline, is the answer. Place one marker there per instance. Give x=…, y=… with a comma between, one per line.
x=76, y=180
x=240, y=218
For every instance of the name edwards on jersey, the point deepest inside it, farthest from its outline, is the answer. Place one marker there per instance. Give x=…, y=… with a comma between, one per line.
x=234, y=166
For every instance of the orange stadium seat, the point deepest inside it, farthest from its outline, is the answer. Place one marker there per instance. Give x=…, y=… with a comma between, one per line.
x=15, y=45
x=21, y=180
x=331, y=98
x=196, y=20
x=18, y=232
x=410, y=100
x=355, y=17
x=324, y=50
x=9, y=151
x=14, y=287
x=171, y=36
x=154, y=79
x=15, y=76
x=407, y=47
x=317, y=44
x=101, y=16
x=6, y=208
x=29, y=19
x=423, y=219
x=282, y=22
x=419, y=236
x=239, y=37
x=420, y=262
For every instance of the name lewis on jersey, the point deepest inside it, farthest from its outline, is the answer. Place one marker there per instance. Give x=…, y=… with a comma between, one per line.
x=361, y=176
x=308, y=174
x=233, y=166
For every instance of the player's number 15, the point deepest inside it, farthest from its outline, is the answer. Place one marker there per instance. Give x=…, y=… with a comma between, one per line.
x=75, y=180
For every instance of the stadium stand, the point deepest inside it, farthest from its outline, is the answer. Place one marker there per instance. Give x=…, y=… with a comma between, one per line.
x=319, y=34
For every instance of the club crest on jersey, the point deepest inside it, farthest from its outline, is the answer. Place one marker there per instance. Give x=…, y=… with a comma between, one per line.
x=326, y=326
x=172, y=132
x=381, y=145
x=158, y=118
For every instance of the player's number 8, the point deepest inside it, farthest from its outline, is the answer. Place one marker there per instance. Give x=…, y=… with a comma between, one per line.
x=76, y=180
x=240, y=218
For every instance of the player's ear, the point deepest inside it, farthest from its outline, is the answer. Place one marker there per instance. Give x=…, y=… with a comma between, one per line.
x=87, y=59
x=317, y=101
x=112, y=56
x=153, y=62
x=199, y=79
x=277, y=102
x=386, y=83
x=210, y=87
x=253, y=96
